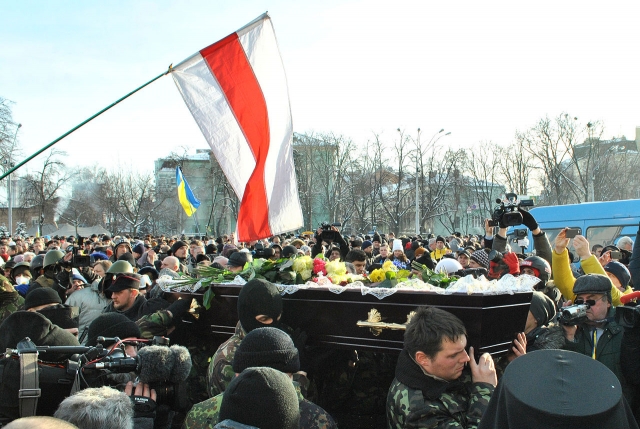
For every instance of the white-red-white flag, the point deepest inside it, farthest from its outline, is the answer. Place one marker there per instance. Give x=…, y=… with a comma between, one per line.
x=236, y=90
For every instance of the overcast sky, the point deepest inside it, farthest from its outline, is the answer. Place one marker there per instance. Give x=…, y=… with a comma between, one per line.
x=481, y=70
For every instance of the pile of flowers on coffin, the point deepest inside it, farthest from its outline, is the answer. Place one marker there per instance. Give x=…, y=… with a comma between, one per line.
x=304, y=272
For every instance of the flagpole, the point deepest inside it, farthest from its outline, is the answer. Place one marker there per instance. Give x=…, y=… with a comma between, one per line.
x=8, y=172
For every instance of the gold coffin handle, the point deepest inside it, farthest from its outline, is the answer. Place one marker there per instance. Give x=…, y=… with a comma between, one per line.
x=376, y=325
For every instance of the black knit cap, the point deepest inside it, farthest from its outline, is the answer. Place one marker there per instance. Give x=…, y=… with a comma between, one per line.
x=258, y=296
x=267, y=347
x=288, y=251
x=176, y=246
x=41, y=296
x=64, y=316
x=261, y=397
x=592, y=283
x=111, y=325
x=620, y=271
x=557, y=389
x=238, y=259
x=542, y=307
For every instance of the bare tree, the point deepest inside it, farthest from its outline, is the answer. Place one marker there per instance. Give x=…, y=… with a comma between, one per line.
x=41, y=189
x=516, y=168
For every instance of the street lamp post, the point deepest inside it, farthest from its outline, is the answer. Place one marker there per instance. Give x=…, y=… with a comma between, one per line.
x=9, y=194
x=417, y=190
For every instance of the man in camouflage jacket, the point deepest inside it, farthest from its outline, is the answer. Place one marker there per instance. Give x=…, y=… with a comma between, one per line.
x=10, y=299
x=259, y=305
x=432, y=388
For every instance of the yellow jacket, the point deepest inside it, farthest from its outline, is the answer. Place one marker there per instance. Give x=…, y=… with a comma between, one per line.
x=564, y=280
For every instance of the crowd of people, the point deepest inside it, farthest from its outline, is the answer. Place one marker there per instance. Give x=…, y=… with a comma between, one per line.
x=62, y=291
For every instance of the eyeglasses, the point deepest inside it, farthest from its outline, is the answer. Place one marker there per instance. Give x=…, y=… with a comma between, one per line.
x=589, y=302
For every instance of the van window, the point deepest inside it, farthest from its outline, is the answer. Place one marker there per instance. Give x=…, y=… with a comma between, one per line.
x=604, y=235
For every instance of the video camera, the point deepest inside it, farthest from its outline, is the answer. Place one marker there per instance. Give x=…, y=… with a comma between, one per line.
x=328, y=234
x=164, y=368
x=262, y=252
x=78, y=260
x=628, y=315
x=573, y=314
x=507, y=212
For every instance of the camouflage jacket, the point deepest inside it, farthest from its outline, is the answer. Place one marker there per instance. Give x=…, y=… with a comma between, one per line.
x=431, y=403
x=206, y=414
x=10, y=302
x=157, y=323
x=220, y=373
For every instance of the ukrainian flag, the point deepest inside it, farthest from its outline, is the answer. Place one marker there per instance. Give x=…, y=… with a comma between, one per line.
x=188, y=201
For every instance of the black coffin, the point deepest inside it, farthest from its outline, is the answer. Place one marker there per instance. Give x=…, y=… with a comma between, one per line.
x=331, y=319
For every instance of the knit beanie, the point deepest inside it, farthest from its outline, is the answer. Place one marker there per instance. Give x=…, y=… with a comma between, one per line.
x=261, y=397
x=138, y=248
x=366, y=244
x=620, y=271
x=397, y=245
x=543, y=308
x=267, y=347
x=111, y=325
x=481, y=257
x=258, y=296
x=41, y=296
x=289, y=251
x=176, y=246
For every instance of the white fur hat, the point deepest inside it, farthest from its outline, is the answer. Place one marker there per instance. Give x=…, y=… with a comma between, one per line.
x=397, y=245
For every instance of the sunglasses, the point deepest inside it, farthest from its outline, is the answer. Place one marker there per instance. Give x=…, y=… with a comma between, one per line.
x=589, y=302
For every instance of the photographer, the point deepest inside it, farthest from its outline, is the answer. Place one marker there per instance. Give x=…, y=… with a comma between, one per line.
x=599, y=336
x=540, y=241
x=329, y=234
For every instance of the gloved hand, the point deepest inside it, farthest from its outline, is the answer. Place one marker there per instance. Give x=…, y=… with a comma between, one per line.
x=179, y=307
x=528, y=220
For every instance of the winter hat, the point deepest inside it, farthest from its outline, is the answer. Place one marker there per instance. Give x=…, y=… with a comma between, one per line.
x=440, y=238
x=376, y=237
x=289, y=251
x=238, y=259
x=543, y=308
x=138, y=248
x=448, y=265
x=592, y=283
x=178, y=244
x=588, y=402
x=397, y=245
x=258, y=296
x=366, y=244
x=261, y=397
x=125, y=281
x=481, y=257
x=64, y=316
x=111, y=325
x=620, y=271
x=267, y=347
x=129, y=258
x=41, y=296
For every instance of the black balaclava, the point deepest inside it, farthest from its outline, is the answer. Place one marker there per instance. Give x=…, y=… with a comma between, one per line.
x=257, y=297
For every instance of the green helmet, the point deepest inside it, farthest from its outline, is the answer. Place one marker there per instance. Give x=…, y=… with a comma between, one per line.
x=52, y=257
x=120, y=267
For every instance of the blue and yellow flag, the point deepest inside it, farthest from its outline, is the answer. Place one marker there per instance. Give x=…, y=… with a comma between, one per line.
x=188, y=201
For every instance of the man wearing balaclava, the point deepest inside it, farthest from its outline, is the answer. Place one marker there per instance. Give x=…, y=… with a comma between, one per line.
x=259, y=305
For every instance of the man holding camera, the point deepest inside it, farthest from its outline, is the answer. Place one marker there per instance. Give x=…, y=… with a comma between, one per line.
x=599, y=336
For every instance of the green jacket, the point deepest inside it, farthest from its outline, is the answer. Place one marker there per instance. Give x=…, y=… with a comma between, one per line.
x=430, y=403
x=10, y=302
x=220, y=372
x=206, y=414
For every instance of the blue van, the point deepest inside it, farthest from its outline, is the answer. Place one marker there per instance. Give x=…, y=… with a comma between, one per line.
x=601, y=222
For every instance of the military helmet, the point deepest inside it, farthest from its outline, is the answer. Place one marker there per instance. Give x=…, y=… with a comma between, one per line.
x=540, y=266
x=120, y=267
x=36, y=265
x=52, y=257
